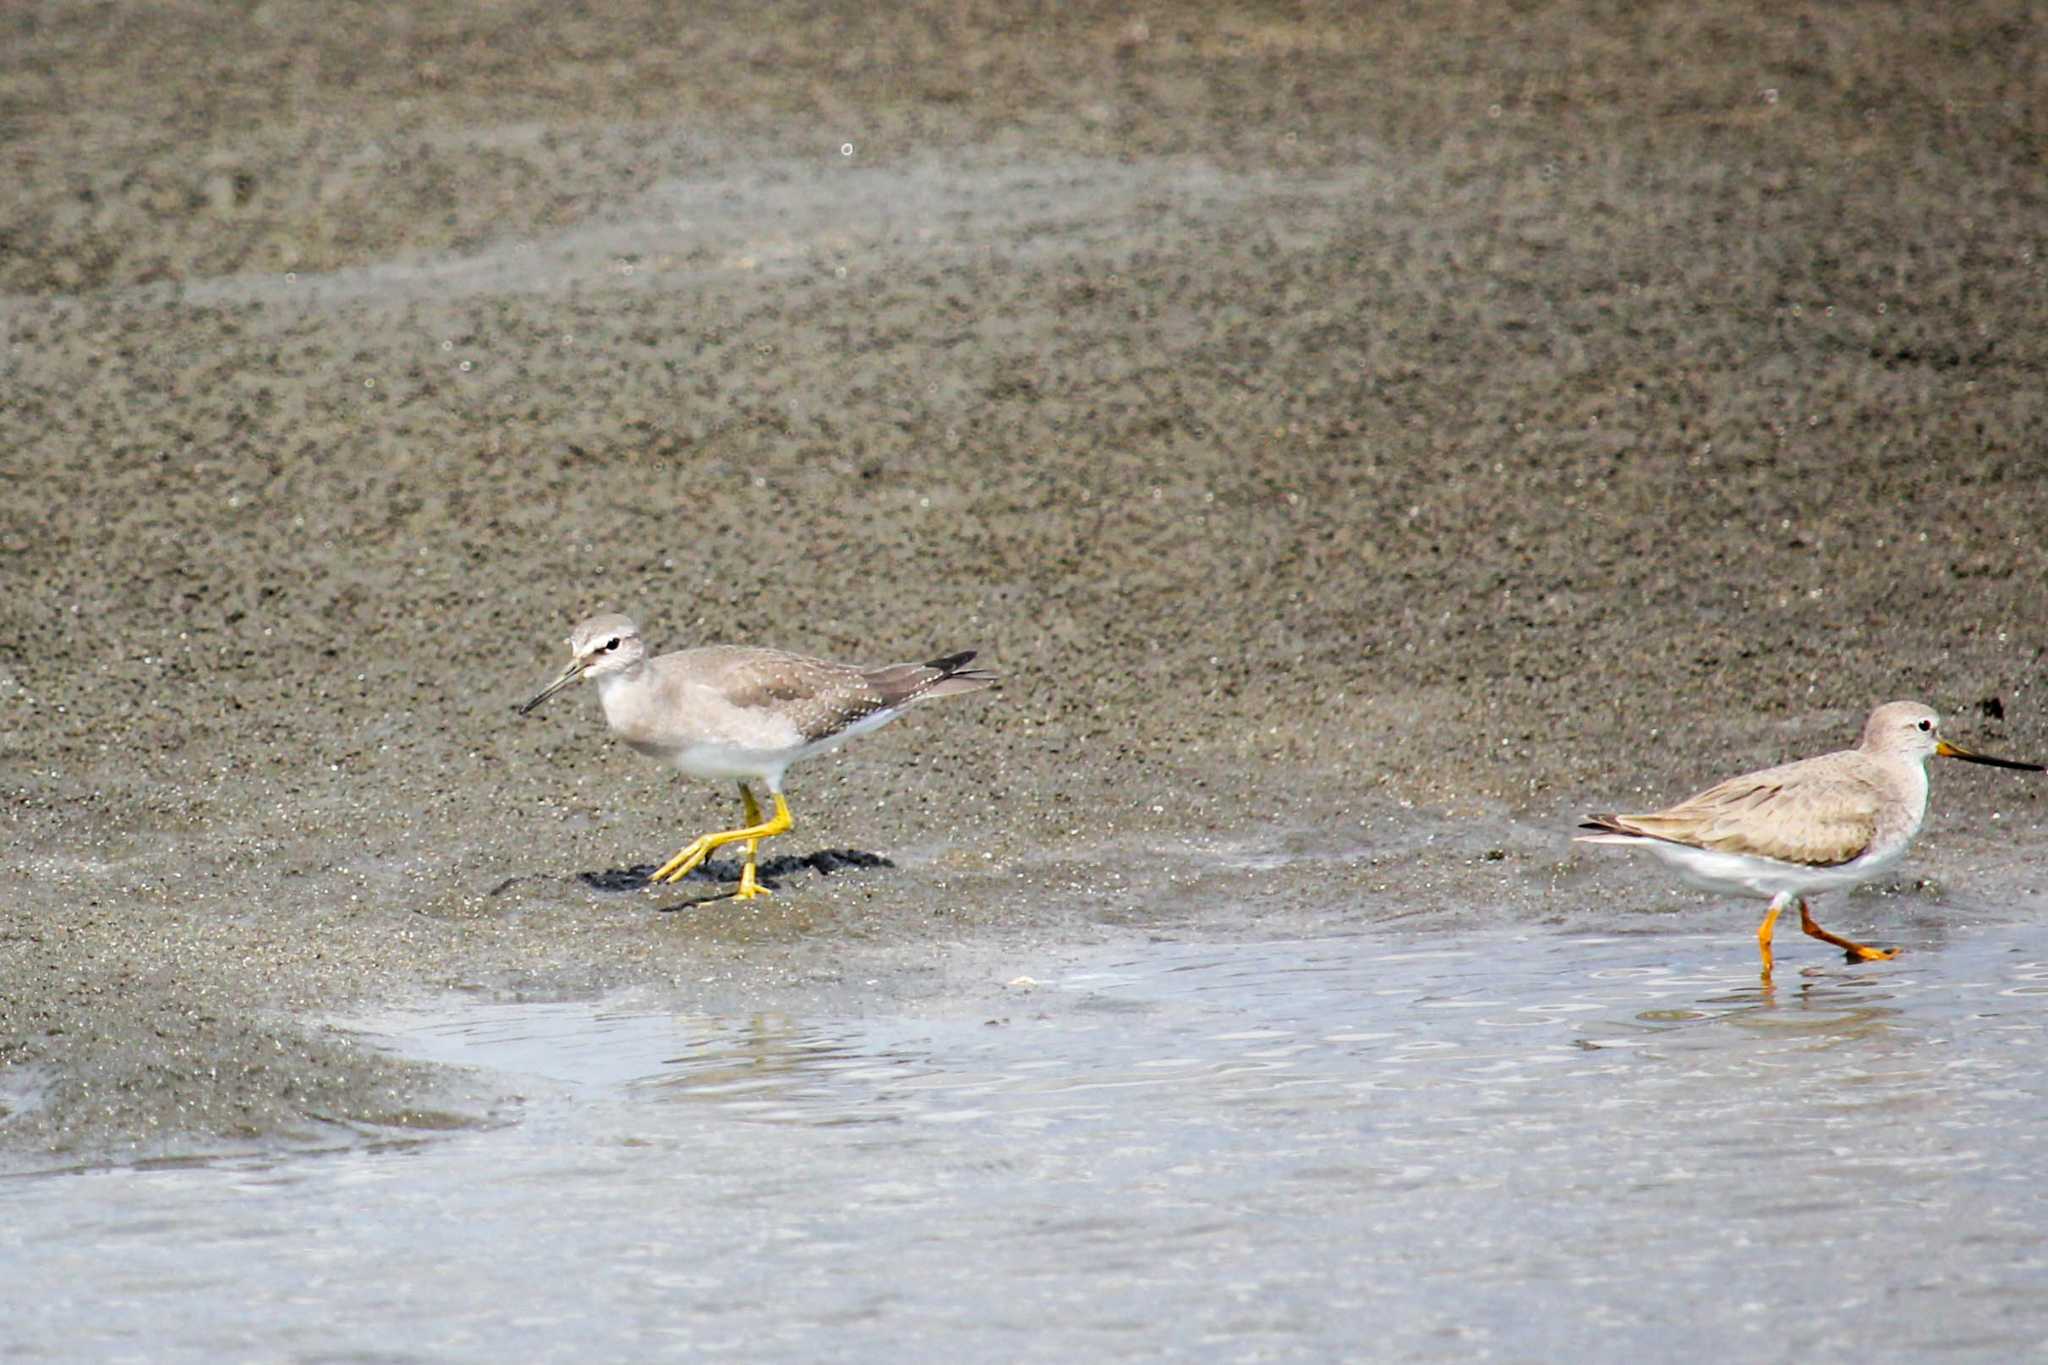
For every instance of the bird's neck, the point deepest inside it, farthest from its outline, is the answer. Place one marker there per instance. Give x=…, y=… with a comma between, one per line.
x=1912, y=809
x=610, y=686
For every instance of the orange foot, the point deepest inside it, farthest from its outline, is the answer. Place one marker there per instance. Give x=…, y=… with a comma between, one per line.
x=1852, y=951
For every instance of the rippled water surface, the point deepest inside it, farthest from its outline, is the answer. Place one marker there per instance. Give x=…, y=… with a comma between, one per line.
x=1508, y=1147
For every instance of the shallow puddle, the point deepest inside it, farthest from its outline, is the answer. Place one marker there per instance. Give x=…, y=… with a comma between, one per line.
x=1516, y=1147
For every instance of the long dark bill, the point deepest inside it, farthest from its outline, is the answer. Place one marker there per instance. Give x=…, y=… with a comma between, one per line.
x=562, y=680
x=1948, y=750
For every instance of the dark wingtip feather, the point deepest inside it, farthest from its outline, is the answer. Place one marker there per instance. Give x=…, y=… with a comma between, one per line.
x=902, y=684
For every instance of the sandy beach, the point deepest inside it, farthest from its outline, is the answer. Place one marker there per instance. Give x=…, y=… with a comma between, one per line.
x=1362, y=444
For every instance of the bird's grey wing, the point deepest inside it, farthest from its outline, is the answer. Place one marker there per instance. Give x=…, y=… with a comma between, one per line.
x=817, y=697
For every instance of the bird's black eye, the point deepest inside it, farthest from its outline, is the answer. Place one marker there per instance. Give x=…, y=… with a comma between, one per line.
x=613, y=643
x=1926, y=725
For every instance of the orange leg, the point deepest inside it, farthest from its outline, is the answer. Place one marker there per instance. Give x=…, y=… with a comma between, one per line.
x=1854, y=952
x=1764, y=931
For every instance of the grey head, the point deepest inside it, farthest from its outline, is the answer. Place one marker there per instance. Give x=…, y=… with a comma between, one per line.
x=1912, y=731
x=601, y=645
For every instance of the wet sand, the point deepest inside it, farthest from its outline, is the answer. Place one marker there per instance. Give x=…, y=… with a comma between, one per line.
x=1361, y=443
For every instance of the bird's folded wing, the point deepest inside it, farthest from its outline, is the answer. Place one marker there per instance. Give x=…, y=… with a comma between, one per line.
x=818, y=697
x=1818, y=822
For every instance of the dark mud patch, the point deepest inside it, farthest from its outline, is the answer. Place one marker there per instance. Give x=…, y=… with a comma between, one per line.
x=771, y=871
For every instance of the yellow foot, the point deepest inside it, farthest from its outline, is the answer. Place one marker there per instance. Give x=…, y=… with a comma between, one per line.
x=1863, y=953
x=683, y=864
x=687, y=861
x=750, y=884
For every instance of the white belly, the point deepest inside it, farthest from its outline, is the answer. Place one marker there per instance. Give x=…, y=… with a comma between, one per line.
x=740, y=763
x=1747, y=874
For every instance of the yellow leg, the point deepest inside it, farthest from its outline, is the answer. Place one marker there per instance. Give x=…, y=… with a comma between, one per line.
x=1855, y=952
x=1763, y=935
x=685, y=862
x=749, y=887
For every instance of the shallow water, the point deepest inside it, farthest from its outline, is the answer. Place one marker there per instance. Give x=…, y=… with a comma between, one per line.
x=1515, y=1147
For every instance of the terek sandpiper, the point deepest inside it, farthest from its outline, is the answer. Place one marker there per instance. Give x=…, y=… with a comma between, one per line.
x=737, y=712
x=1805, y=827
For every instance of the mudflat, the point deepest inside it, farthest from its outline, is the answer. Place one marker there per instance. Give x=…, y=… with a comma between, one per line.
x=1362, y=442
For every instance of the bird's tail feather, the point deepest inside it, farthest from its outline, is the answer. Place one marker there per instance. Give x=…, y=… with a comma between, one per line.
x=902, y=684
x=1610, y=829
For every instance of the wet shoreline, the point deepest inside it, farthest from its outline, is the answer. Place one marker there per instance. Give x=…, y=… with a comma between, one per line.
x=1363, y=446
